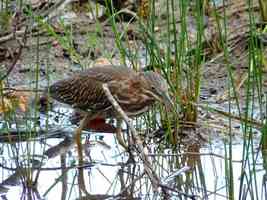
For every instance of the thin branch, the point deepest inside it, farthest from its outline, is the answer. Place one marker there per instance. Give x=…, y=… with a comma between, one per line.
x=155, y=180
x=148, y=168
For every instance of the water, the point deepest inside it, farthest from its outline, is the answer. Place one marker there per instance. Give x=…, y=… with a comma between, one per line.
x=109, y=171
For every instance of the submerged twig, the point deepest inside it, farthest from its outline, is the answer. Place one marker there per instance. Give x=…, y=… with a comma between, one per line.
x=148, y=168
x=241, y=119
x=154, y=178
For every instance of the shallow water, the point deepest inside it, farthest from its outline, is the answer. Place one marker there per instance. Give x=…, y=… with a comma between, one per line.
x=108, y=172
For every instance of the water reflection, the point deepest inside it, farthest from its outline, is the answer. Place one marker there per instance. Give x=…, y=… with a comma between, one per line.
x=46, y=168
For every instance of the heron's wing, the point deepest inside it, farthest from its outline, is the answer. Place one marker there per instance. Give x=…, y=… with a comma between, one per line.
x=85, y=90
x=108, y=73
x=80, y=92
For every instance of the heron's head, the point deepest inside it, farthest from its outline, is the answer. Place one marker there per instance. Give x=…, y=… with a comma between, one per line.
x=157, y=86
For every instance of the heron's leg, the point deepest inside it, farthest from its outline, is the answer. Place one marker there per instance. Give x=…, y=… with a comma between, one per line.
x=77, y=135
x=119, y=134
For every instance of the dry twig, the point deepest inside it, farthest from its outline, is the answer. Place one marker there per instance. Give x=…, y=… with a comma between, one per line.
x=155, y=180
x=147, y=164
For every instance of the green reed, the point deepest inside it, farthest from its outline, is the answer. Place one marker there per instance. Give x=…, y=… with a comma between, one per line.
x=171, y=51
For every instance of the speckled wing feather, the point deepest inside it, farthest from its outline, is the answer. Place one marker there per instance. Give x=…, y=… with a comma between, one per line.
x=84, y=90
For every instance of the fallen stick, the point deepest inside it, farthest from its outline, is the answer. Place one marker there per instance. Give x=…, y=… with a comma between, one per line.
x=155, y=180
x=147, y=164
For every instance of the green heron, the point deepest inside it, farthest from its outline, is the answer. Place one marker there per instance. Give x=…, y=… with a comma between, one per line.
x=134, y=91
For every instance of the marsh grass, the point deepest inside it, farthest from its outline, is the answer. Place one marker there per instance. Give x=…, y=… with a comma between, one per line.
x=170, y=49
x=181, y=60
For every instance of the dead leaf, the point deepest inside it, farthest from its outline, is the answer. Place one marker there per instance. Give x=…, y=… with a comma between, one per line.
x=5, y=105
x=15, y=100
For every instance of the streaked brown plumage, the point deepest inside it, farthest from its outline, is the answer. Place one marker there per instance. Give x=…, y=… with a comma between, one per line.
x=134, y=91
